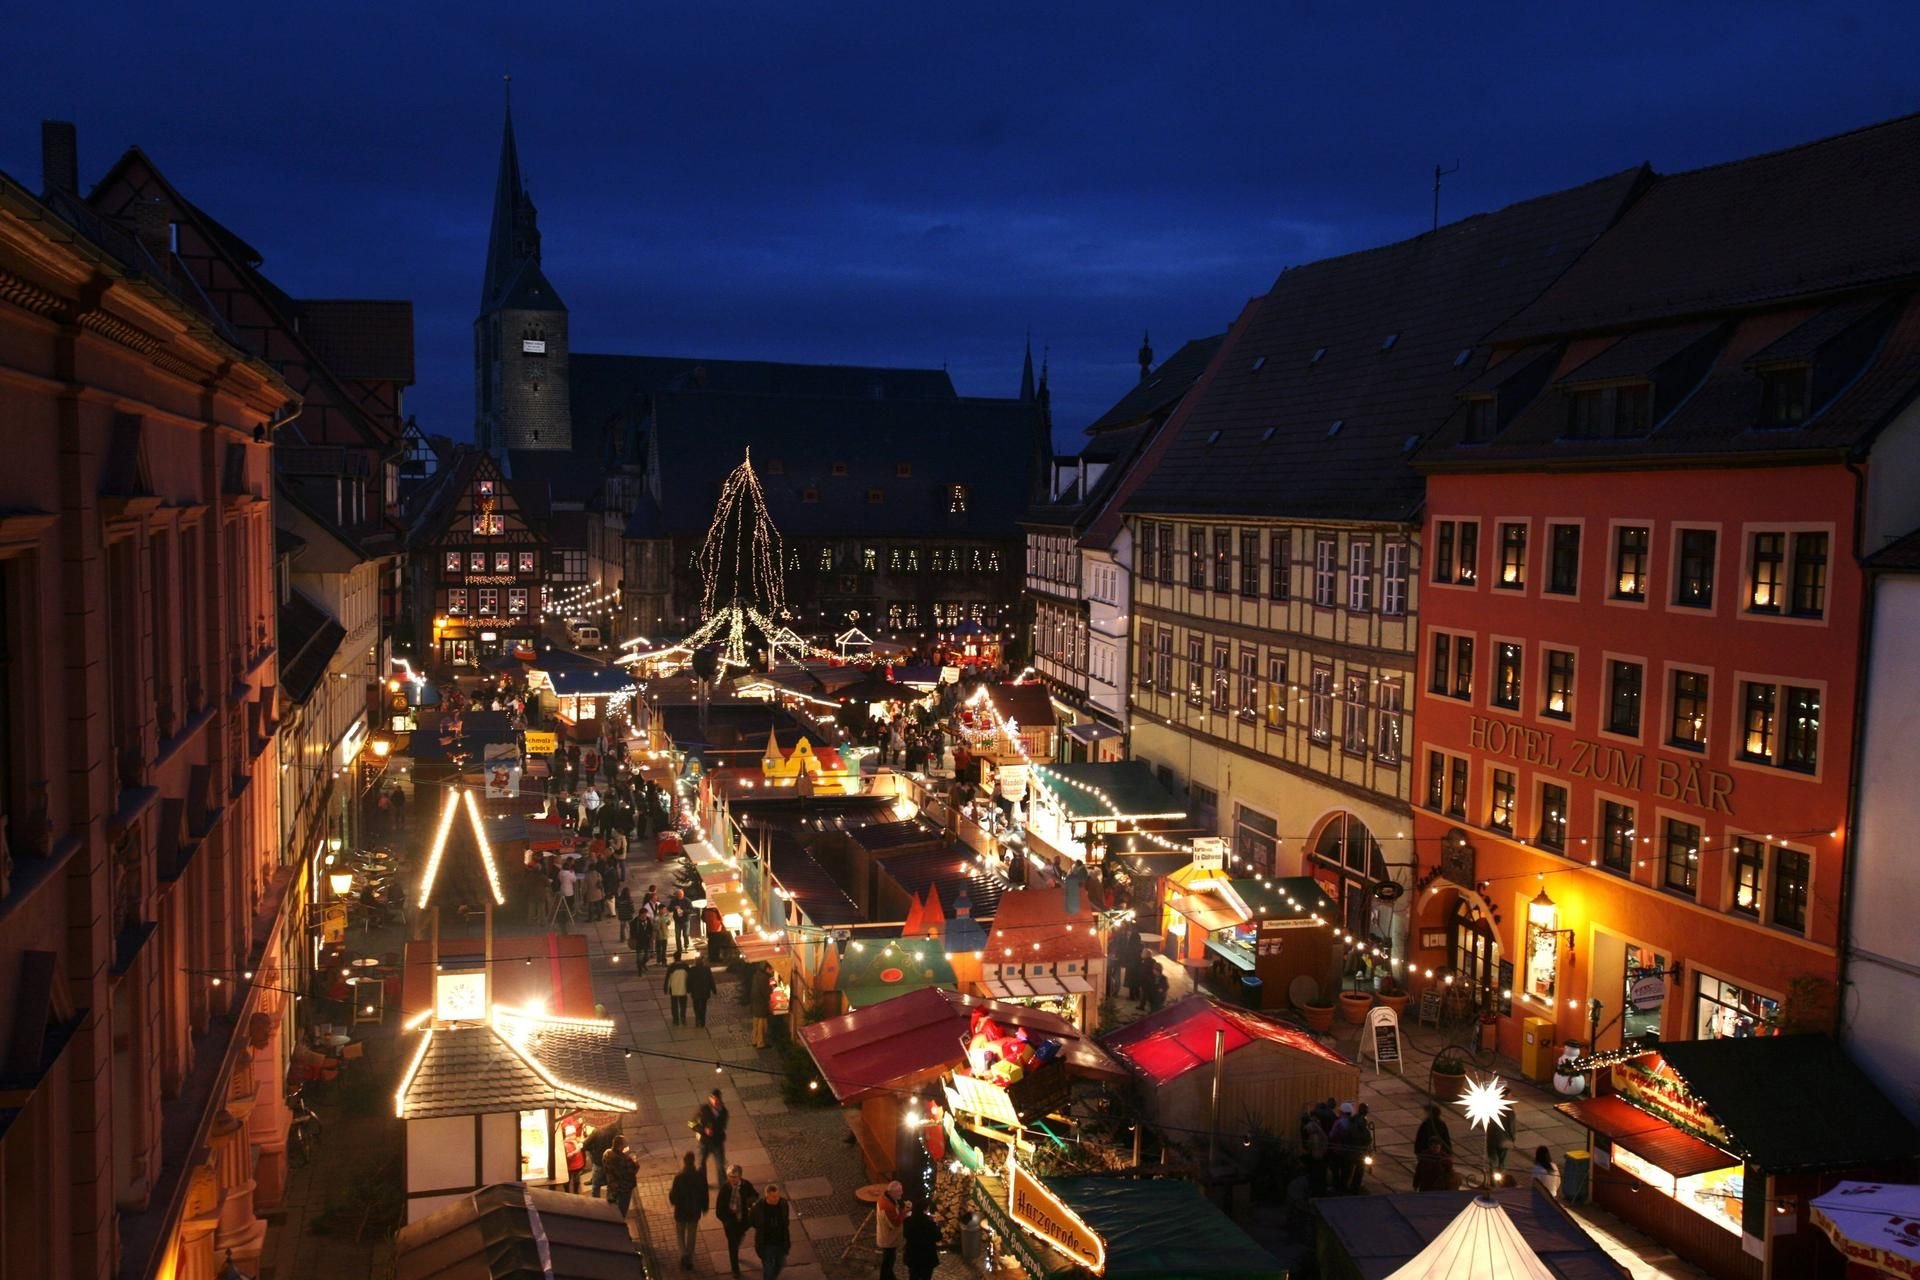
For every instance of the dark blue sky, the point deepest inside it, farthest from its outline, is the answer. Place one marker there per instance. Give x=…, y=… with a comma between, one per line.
x=906, y=183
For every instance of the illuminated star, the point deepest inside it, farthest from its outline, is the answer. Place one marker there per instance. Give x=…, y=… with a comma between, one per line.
x=1485, y=1101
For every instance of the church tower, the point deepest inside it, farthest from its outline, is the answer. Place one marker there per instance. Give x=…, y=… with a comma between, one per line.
x=520, y=338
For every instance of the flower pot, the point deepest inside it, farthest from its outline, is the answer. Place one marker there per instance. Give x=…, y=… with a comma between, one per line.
x=1449, y=1085
x=1319, y=1016
x=1354, y=1006
x=1396, y=1003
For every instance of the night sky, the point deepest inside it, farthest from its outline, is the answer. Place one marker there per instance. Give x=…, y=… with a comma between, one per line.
x=907, y=184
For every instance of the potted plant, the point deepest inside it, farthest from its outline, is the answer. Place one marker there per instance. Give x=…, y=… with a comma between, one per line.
x=1449, y=1074
x=1354, y=1005
x=1319, y=1013
x=1392, y=993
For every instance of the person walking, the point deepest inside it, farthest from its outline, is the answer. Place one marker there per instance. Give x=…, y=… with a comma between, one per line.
x=677, y=991
x=596, y=892
x=1545, y=1173
x=622, y=1173
x=889, y=1216
x=1433, y=1154
x=1360, y=1139
x=640, y=938
x=1499, y=1142
x=734, y=1204
x=700, y=988
x=760, y=1002
x=682, y=912
x=922, y=1236
x=623, y=910
x=711, y=1125
x=662, y=926
x=1137, y=965
x=772, y=1233
x=1156, y=988
x=688, y=1196
x=564, y=916
x=1340, y=1154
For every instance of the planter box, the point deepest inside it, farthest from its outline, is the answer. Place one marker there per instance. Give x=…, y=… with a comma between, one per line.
x=1354, y=1006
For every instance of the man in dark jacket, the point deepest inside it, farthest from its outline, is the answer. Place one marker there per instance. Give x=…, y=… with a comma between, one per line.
x=640, y=935
x=688, y=1196
x=711, y=1126
x=622, y=1173
x=922, y=1235
x=772, y=1236
x=734, y=1204
x=700, y=987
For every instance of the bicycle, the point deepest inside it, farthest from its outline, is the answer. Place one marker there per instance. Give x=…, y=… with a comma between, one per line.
x=303, y=1130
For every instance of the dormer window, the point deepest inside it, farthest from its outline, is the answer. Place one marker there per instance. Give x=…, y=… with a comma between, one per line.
x=839, y=468
x=1583, y=414
x=1783, y=396
x=1480, y=419
x=1632, y=410
x=1623, y=412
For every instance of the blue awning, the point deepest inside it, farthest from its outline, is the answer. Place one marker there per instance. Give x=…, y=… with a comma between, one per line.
x=599, y=680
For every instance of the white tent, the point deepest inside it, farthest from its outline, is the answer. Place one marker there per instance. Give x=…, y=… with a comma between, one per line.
x=1481, y=1244
x=1874, y=1224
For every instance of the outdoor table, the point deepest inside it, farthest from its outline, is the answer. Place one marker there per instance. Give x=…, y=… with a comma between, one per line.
x=869, y=1195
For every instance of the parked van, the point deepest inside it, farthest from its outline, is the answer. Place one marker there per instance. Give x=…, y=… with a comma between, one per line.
x=582, y=634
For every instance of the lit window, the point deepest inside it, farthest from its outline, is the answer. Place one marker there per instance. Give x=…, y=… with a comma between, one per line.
x=1513, y=557
x=1630, y=563
x=957, y=499
x=1690, y=708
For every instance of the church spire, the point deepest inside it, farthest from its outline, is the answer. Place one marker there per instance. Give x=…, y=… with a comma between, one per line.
x=1026, y=372
x=513, y=235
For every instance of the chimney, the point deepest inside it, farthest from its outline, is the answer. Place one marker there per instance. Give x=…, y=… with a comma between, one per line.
x=151, y=227
x=59, y=156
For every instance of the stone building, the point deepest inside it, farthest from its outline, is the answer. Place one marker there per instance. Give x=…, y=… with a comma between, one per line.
x=141, y=892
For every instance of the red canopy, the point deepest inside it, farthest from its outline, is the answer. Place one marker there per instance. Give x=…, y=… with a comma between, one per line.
x=1166, y=1045
x=918, y=1036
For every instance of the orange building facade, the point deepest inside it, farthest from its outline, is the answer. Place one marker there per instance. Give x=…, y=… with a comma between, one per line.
x=1636, y=700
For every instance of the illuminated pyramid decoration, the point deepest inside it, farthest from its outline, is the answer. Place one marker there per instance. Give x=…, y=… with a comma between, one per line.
x=742, y=566
x=460, y=866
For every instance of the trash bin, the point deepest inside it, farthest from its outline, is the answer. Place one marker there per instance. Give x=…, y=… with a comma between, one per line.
x=1576, y=1176
x=1250, y=990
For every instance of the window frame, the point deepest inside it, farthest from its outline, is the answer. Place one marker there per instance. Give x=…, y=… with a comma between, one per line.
x=1249, y=684
x=1250, y=564
x=1320, y=703
x=1794, y=607
x=1549, y=582
x=1776, y=878
x=1197, y=676
x=1615, y=664
x=1355, y=715
x=1547, y=654
x=1747, y=853
x=1510, y=543
x=1326, y=571
x=1611, y=838
x=1703, y=707
x=1616, y=559
x=1280, y=564
x=1500, y=684
x=1196, y=558
x=1502, y=782
x=1223, y=561
x=1359, y=574
x=1698, y=596
x=1220, y=683
x=1390, y=709
x=1276, y=708
x=1548, y=817
x=1396, y=571
x=1670, y=827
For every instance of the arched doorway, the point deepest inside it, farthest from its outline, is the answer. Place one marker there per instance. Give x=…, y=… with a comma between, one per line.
x=1347, y=862
x=1473, y=952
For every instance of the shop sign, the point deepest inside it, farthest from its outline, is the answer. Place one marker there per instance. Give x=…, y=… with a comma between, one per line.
x=1659, y=1092
x=1648, y=993
x=540, y=743
x=1210, y=853
x=501, y=765
x=1040, y=1211
x=1013, y=781
x=1679, y=781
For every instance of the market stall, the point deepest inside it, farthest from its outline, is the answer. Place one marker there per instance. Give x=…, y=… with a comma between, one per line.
x=1515, y=1233
x=1045, y=952
x=1247, y=938
x=1270, y=1072
x=877, y=1060
x=969, y=645
x=1078, y=807
x=585, y=698
x=1115, y=1228
x=1734, y=1137
x=508, y=1230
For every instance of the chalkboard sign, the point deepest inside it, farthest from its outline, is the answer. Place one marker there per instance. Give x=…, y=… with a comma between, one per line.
x=1430, y=1007
x=1383, y=1037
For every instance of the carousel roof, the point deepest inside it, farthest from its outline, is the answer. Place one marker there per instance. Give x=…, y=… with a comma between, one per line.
x=1481, y=1243
x=514, y=1062
x=460, y=865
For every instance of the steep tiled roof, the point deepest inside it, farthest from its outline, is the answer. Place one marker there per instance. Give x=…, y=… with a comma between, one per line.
x=1032, y=924
x=1324, y=386
x=1819, y=218
x=1162, y=388
x=362, y=339
x=308, y=641
x=473, y=1070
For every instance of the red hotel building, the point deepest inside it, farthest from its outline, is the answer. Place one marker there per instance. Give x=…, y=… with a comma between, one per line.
x=1642, y=604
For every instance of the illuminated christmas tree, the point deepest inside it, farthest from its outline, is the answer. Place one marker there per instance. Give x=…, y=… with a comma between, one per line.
x=743, y=576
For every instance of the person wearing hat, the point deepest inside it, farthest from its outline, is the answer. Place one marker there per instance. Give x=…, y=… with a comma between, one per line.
x=889, y=1216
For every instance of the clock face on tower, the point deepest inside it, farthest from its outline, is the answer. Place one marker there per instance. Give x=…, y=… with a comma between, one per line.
x=460, y=997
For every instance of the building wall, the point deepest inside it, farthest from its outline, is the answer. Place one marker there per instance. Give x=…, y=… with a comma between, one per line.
x=523, y=394
x=1883, y=951
x=1682, y=910
x=139, y=663
x=1106, y=574
x=1281, y=690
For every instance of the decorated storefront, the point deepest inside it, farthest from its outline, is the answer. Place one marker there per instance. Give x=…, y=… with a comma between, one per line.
x=1733, y=1138
x=1248, y=938
x=1045, y=952
x=1078, y=808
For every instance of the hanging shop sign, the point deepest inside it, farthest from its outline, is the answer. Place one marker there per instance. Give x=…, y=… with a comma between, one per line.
x=1210, y=853
x=1648, y=992
x=502, y=767
x=1659, y=1092
x=1040, y=1211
